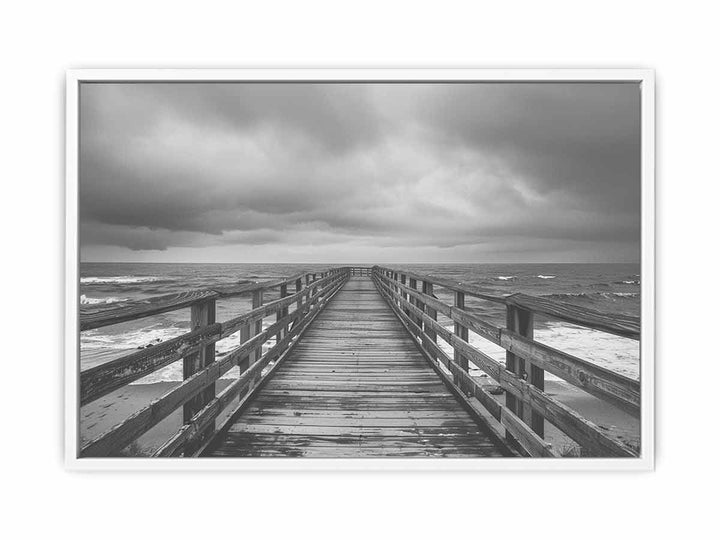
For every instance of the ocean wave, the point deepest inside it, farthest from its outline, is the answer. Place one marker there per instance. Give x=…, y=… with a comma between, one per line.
x=132, y=339
x=506, y=278
x=606, y=350
x=97, y=346
x=109, y=300
x=592, y=295
x=123, y=280
x=546, y=277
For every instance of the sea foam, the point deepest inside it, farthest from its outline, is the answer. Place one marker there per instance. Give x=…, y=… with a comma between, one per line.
x=109, y=300
x=124, y=280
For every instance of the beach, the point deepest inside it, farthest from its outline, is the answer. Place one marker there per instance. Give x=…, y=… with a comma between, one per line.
x=108, y=411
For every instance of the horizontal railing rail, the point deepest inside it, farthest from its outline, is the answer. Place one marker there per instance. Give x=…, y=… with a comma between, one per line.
x=522, y=377
x=99, y=315
x=201, y=369
x=618, y=324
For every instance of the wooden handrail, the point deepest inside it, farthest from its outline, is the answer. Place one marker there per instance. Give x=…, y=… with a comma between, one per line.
x=99, y=315
x=197, y=391
x=100, y=380
x=527, y=403
x=621, y=325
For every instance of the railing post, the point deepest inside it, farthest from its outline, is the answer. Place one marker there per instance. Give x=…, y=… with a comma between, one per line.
x=418, y=321
x=283, y=312
x=432, y=313
x=298, y=288
x=521, y=321
x=461, y=332
x=403, y=280
x=255, y=355
x=202, y=314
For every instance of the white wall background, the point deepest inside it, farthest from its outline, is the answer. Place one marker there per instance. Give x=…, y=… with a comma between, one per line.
x=39, y=41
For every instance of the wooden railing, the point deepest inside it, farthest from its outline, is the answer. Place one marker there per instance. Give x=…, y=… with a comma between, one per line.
x=521, y=419
x=201, y=369
x=360, y=271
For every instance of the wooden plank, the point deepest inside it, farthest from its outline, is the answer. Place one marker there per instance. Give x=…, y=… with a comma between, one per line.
x=99, y=315
x=355, y=369
x=470, y=290
x=131, y=428
x=578, y=428
x=462, y=333
x=257, y=301
x=286, y=345
x=262, y=310
x=249, y=288
x=486, y=402
x=621, y=325
x=530, y=441
x=609, y=386
x=100, y=380
x=458, y=315
x=201, y=316
x=138, y=423
x=522, y=321
x=612, y=387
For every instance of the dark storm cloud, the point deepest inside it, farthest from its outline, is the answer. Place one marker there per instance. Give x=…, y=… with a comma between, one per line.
x=166, y=166
x=578, y=138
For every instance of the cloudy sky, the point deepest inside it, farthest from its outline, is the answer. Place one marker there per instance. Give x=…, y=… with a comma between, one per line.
x=366, y=173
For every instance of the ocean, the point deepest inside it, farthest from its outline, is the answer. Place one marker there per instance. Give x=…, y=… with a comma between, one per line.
x=611, y=288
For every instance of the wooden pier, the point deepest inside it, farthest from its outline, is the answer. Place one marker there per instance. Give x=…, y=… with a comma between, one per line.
x=353, y=366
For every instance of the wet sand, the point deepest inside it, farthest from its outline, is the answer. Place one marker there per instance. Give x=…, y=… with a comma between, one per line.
x=108, y=411
x=610, y=419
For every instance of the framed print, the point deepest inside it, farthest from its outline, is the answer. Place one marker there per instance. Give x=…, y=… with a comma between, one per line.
x=360, y=269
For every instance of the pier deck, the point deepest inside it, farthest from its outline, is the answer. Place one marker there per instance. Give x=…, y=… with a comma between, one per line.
x=354, y=362
x=356, y=386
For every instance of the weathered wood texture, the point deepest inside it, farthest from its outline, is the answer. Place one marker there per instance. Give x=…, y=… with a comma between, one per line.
x=356, y=386
x=99, y=315
x=100, y=380
x=621, y=325
x=201, y=379
x=606, y=384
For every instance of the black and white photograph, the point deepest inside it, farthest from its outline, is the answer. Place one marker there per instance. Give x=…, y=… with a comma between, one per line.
x=358, y=268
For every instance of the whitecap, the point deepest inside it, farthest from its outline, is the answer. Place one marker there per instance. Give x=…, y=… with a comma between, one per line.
x=505, y=278
x=546, y=277
x=606, y=350
x=123, y=280
x=109, y=300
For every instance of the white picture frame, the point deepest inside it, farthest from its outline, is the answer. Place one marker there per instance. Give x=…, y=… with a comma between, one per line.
x=646, y=80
